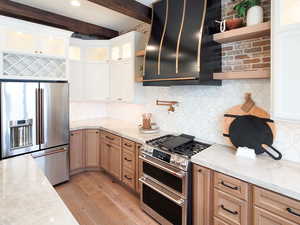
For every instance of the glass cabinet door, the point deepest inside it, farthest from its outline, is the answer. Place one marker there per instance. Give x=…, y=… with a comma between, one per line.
x=74, y=53
x=115, y=53
x=52, y=46
x=97, y=54
x=126, y=51
x=20, y=41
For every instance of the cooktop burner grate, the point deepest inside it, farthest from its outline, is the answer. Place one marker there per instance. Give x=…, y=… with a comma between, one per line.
x=189, y=149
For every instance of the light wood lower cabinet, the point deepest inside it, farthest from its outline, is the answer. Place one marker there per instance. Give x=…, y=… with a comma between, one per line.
x=202, y=191
x=104, y=159
x=263, y=217
x=114, y=156
x=92, y=148
x=76, y=151
x=237, y=202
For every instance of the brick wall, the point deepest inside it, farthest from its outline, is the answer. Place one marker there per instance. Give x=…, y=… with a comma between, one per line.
x=242, y=55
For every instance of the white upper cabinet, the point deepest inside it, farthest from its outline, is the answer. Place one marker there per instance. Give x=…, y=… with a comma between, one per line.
x=23, y=37
x=97, y=54
x=285, y=61
x=122, y=47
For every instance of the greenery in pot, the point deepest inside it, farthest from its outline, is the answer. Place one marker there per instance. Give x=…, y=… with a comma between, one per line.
x=242, y=7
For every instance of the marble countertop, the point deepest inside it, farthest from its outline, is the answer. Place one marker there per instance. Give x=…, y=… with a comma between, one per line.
x=279, y=176
x=119, y=127
x=27, y=197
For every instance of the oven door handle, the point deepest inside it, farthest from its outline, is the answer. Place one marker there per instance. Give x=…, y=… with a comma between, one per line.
x=177, y=174
x=179, y=202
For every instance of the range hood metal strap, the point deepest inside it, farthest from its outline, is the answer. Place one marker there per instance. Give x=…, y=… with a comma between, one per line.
x=171, y=79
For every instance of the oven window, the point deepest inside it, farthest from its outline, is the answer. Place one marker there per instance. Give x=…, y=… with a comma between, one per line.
x=163, y=177
x=162, y=205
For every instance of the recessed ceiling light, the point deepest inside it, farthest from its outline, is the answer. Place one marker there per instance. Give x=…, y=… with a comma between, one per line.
x=75, y=3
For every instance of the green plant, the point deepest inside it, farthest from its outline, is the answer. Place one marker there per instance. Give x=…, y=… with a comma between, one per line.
x=242, y=7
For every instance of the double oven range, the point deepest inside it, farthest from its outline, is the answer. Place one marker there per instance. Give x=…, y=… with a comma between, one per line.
x=166, y=181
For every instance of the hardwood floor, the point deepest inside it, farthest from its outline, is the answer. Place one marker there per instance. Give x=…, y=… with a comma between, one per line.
x=95, y=199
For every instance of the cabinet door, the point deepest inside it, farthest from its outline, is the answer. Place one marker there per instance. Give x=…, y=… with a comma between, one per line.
x=285, y=63
x=96, y=81
x=76, y=80
x=20, y=41
x=97, y=54
x=263, y=217
x=115, y=161
x=122, y=81
x=53, y=46
x=202, y=196
x=76, y=150
x=104, y=158
x=138, y=167
x=92, y=148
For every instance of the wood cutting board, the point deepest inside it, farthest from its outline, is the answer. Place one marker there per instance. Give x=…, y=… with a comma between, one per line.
x=238, y=110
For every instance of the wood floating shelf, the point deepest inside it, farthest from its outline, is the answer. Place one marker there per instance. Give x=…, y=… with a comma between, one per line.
x=140, y=53
x=256, y=74
x=244, y=33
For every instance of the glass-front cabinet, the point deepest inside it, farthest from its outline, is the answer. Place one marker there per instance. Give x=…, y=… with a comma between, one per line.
x=121, y=50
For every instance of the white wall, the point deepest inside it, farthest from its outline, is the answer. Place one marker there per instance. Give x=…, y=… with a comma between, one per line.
x=87, y=110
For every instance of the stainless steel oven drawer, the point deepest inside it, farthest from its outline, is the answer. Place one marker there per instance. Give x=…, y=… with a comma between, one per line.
x=163, y=205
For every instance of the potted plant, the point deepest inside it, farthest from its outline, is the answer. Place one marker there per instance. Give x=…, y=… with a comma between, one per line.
x=252, y=9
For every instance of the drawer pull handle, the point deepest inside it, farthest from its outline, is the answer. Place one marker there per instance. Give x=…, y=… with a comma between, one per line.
x=291, y=211
x=128, y=145
x=228, y=210
x=128, y=178
x=109, y=138
x=108, y=145
x=228, y=186
x=128, y=160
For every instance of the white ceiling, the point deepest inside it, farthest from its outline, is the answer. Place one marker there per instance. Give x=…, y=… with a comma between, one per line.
x=88, y=12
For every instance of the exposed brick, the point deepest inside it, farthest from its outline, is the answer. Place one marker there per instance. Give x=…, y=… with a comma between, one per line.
x=242, y=67
x=235, y=52
x=268, y=59
x=261, y=65
x=251, y=61
x=261, y=54
x=251, y=50
x=243, y=45
x=267, y=48
x=261, y=43
x=227, y=48
x=242, y=57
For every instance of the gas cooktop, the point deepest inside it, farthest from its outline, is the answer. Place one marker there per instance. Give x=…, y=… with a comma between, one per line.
x=183, y=144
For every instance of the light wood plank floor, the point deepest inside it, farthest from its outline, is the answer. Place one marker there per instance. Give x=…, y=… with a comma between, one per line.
x=95, y=199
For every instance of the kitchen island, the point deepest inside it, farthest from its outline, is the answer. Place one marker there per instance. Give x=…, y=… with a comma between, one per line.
x=27, y=197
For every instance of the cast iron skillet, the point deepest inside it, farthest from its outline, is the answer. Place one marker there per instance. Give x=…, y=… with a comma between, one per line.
x=252, y=132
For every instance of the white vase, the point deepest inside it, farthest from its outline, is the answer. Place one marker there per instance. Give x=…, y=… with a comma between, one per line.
x=255, y=15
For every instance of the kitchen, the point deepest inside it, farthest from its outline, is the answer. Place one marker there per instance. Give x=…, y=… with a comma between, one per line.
x=105, y=100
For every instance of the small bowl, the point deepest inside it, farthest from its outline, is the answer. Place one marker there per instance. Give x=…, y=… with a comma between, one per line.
x=234, y=23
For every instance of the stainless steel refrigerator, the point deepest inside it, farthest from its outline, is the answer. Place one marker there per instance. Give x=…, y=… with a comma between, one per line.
x=35, y=120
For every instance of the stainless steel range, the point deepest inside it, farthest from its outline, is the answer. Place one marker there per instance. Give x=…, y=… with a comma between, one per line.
x=166, y=180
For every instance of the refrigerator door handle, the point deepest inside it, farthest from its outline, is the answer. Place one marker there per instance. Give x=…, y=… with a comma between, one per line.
x=37, y=113
x=42, y=115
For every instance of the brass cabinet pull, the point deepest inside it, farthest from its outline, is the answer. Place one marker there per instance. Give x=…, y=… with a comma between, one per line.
x=228, y=186
x=108, y=145
x=292, y=212
x=128, y=145
x=200, y=170
x=228, y=210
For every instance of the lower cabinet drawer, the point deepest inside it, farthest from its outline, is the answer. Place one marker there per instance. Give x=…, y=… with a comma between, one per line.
x=219, y=222
x=277, y=204
x=128, y=178
x=263, y=217
x=230, y=209
x=128, y=159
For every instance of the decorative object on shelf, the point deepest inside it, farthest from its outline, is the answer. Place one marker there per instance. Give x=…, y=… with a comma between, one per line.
x=252, y=9
x=222, y=25
x=154, y=129
x=167, y=103
x=249, y=126
x=234, y=23
x=22, y=65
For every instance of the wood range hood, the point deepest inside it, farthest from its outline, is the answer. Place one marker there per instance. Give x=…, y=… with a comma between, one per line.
x=181, y=49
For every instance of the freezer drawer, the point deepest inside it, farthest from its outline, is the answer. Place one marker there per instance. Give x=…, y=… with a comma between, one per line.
x=54, y=163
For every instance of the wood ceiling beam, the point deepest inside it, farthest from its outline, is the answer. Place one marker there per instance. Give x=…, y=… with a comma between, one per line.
x=28, y=13
x=129, y=8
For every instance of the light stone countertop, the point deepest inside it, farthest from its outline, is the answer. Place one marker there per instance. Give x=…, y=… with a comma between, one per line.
x=119, y=127
x=27, y=197
x=279, y=176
